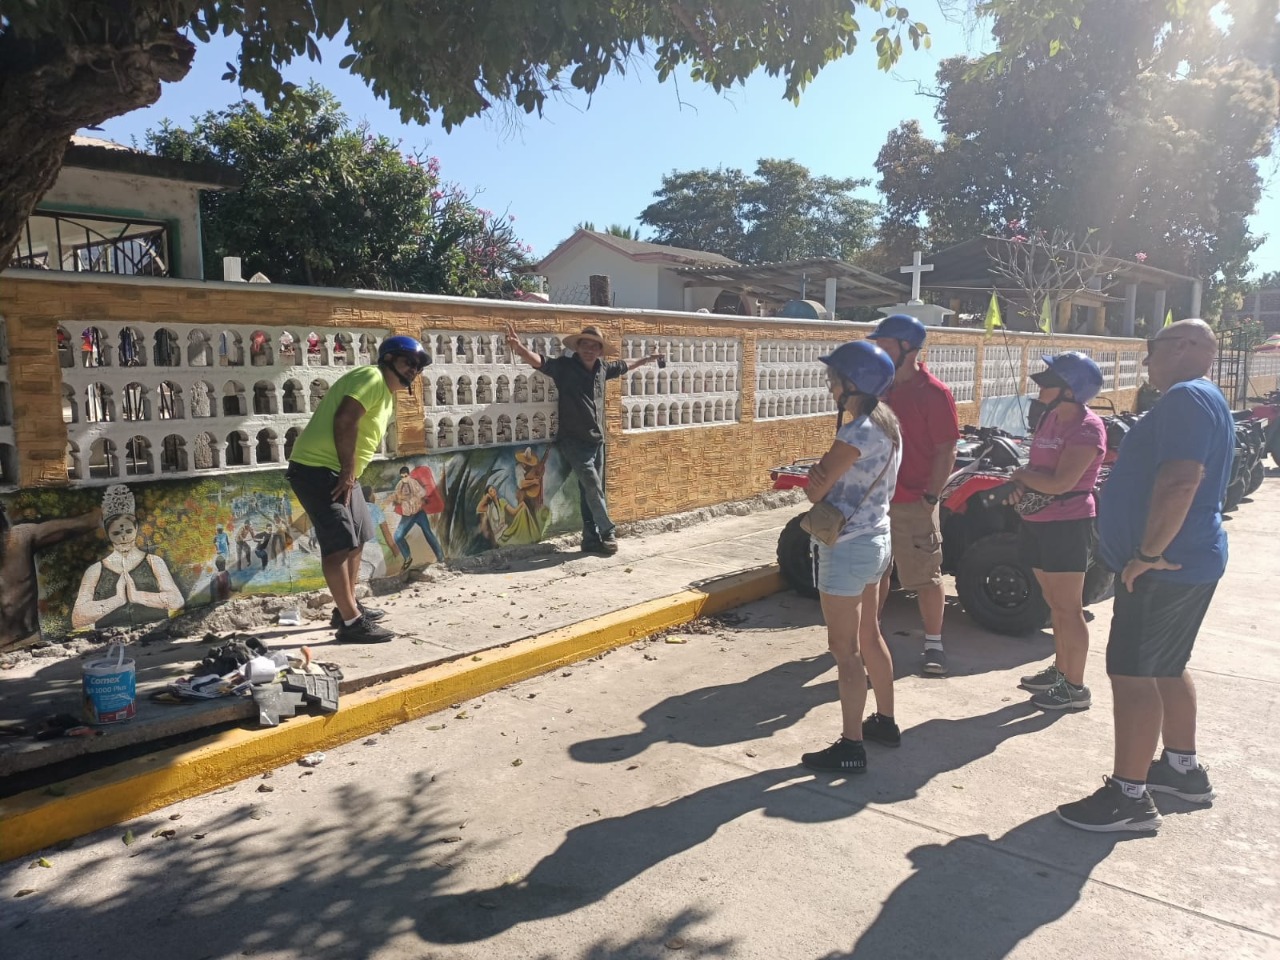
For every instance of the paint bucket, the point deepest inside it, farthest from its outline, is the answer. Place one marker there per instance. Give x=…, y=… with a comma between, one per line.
x=110, y=688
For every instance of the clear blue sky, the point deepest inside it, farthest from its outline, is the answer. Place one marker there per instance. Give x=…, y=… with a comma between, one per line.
x=601, y=160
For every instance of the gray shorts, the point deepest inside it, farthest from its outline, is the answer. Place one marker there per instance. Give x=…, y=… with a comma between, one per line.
x=340, y=527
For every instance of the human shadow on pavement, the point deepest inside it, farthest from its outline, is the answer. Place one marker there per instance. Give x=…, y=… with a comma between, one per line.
x=723, y=713
x=601, y=856
x=978, y=898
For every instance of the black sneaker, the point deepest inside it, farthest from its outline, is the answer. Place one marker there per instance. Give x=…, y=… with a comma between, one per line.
x=1063, y=695
x=1046, y=679
x=880, y=730
x=592, y=546
x=934, y=661
x=843, y=756
x=1193, y=785
x=370, y=613
x=1110, y=810
x=363, y=630
x=609, y=545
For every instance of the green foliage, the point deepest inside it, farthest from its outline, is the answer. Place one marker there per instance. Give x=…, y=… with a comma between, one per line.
x=456, y=59
x=1144, y=124
x=325, y=203
x=783, y=212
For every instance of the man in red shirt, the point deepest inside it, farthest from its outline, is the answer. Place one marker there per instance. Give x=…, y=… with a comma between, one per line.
x=927, y=412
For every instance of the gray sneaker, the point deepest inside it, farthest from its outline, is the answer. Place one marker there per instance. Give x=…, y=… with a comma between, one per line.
x=934, y=661
x=1046, y=679
x=1193, y=785
x=1063, y=695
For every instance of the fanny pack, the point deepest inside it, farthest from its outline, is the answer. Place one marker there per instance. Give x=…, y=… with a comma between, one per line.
x=825, y=522
x=1032, y=502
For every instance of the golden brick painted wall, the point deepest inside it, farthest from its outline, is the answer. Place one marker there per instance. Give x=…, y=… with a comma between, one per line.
x=650, y=473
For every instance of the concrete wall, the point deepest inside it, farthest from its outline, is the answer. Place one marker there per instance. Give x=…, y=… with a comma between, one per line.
x=739, y=395
x=106, y=193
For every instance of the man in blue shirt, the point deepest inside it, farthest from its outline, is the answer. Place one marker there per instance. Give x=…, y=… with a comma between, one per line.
x=1160, y=526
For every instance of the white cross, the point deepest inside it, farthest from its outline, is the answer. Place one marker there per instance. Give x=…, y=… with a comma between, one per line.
x=915, y=270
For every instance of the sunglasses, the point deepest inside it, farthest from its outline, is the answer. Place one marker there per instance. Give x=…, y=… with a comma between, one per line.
x=1152, y=341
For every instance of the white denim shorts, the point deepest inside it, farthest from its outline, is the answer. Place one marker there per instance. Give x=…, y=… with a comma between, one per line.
x=846, y=569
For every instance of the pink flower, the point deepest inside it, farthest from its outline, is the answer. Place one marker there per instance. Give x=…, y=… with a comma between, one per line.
x=437, y=194
x=511, y=217
x=1140, y=257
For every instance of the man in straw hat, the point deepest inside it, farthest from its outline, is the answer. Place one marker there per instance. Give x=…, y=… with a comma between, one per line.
x=580, y=381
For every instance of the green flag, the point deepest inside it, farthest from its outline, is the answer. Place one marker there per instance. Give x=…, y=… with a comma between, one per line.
x=1168, y=318
x=993, y=315
x=1046, y=317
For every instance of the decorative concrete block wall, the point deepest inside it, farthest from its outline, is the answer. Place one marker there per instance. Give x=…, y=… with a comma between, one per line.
x=153, y=400
x=700, y=385
x=477, y=394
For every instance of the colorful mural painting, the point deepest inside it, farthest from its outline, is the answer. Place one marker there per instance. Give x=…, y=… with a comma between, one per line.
x=132, y=555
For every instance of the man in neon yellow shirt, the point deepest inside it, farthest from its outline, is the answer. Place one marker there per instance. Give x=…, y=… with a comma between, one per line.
x=325, y=467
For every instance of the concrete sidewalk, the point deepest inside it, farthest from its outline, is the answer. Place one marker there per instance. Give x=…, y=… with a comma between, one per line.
x=478, y=604
x=649, y=804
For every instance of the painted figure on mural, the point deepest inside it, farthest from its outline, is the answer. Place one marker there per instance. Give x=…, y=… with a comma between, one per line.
x=245, y=541
x=19, y=597
x=220, y=585
x=128, y=586
x=416, y=495
x=529, y=518
x=373, y=565
x=221, y=543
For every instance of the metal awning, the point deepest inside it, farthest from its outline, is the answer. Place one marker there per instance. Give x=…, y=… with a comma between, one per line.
x=800, y=280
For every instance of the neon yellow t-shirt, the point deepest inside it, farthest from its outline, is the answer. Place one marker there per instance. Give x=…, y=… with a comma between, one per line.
x=315, y=446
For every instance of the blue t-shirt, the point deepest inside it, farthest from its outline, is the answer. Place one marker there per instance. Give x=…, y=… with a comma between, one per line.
x=874, y=448
x=1191, y=422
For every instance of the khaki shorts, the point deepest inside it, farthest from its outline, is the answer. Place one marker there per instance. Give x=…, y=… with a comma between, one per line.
x=917, y=544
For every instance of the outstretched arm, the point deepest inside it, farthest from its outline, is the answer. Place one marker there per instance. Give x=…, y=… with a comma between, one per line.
x=50, y=532
x=518, y=348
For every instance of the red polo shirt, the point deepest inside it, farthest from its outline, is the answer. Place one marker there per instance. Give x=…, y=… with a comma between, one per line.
x=927, y=412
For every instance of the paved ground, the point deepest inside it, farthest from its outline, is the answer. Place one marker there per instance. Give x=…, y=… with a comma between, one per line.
x=494, y=600
x=648, y=804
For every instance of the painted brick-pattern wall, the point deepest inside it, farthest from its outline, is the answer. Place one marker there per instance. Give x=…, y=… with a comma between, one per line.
x=650, y=472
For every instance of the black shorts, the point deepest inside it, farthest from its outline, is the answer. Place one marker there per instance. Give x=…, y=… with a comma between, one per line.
x=1056, y=546
x=1154, y=627
x=339, y=527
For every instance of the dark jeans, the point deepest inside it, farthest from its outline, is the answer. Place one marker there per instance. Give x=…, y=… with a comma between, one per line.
x=586, y=462
x=420, y=521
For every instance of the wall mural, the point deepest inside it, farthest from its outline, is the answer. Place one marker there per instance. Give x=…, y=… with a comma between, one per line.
x=128, y=555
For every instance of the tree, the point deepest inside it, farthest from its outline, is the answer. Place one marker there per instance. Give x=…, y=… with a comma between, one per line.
x=1146, y=129
x=783, y=212
x=325, y=203
x=1047, y=268
x=68, y=64
x=626, y=232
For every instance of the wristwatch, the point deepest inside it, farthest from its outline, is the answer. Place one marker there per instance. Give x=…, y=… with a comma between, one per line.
x=1143, y=558
x=930, y=499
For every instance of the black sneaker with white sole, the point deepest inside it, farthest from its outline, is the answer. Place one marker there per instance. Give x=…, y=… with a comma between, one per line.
x=1046, y=679
x=879, y=730
x=1111, y=810
x=843, y=756
x=1193, y=785
x=372, y=613
x=363, y=630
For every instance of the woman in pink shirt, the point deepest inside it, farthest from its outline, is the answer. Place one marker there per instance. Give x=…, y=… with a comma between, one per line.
x=1055, y=498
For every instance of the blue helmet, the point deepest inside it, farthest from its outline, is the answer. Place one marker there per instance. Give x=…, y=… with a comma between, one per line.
x=402, y=346
x=1076, y=370
x=864, y=365
x=902, y=327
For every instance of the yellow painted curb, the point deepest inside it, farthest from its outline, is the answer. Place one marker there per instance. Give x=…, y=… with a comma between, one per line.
x=38, y=818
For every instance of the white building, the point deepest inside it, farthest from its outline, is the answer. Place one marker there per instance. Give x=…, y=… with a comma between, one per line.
x=642, y=275
x=114, y=209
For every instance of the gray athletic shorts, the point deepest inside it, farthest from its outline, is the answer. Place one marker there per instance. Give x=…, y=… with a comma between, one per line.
x=340, y=527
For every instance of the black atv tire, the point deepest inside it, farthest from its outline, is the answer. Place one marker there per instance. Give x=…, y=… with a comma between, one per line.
x=795, y=558
x=998, y=590
x=1235, y=493
x=1099, y=584
x=1256, y=476
x=1273, y=443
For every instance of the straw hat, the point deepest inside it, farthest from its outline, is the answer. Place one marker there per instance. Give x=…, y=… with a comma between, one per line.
x=527, y=457
x=591, y=332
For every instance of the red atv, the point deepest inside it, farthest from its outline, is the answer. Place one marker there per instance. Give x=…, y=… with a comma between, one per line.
x=979, y=534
